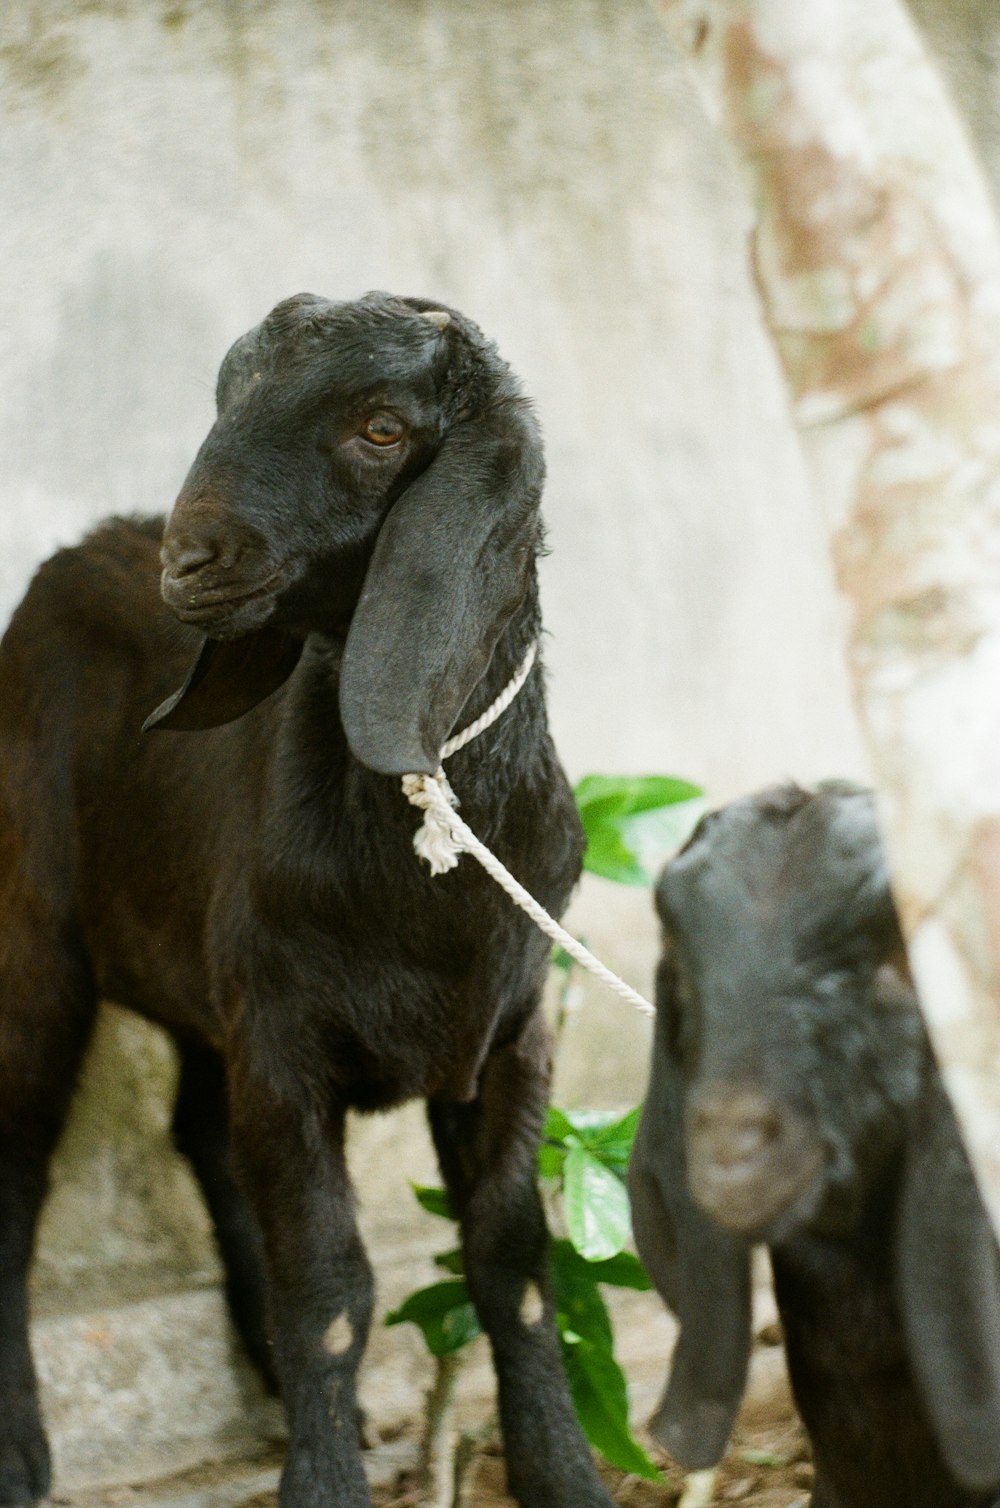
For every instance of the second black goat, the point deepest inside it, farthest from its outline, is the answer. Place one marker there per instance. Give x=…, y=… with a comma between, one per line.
x=357, y=538
x=794, y=1101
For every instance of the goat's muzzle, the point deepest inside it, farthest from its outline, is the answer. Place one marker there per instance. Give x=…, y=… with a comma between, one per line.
x=218, y=574
x=749, y=1157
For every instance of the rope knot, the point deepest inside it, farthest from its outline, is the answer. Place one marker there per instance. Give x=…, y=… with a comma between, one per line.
x=435, y=839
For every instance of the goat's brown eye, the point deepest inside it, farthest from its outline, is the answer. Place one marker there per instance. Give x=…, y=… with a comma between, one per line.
x=382, y=429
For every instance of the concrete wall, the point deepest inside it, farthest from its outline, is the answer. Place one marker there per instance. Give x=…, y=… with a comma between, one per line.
x=171, y=168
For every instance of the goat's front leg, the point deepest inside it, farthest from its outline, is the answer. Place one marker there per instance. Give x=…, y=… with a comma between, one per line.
x=291, y=1159
x=487, y=1150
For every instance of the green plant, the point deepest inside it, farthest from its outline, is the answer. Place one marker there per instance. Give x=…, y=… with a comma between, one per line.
x=634, y=822
x=582, y=1160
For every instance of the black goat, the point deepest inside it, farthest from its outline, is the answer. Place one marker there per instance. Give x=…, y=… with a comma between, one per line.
x=357, y=537
x=794, y=1100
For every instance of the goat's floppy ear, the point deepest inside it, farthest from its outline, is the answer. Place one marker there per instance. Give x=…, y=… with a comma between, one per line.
x=449, y=568
x=228, y=677
x=701, y=1272
x=948, y=1275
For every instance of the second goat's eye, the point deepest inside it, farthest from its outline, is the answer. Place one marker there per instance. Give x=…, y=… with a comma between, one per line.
x=382, y=428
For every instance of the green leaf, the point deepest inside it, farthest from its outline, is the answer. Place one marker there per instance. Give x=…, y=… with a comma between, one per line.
x=434, y=1201
x=601, y=1402
x=612, y=1144
x=588, y=1123
x=558, y=1126
x=444, y=1313
x=621, y=1271
x=608, y=855
x=633, y=793
x=606, y=1133
x=550, y=1160
x=574, y=1281
x=558, y=1134
x=629, y=825
x=451, y=1261
x=595, y=1379
x=561, y=960
x=579, y=1306
x=597, y=1208
x=654, y=837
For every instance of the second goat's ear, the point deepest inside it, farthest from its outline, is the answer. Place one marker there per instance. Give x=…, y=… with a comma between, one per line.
x=450, y=567
x=227, y=679
x=700, y=1271
x=948, y=1277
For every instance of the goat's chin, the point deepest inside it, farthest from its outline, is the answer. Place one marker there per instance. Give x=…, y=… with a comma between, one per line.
x=223, y=612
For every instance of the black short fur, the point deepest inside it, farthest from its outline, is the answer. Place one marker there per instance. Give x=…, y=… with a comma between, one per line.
x=357, y=536
x=794, y=1100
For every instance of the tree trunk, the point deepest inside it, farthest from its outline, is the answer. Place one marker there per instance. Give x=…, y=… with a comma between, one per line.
x=877, y=257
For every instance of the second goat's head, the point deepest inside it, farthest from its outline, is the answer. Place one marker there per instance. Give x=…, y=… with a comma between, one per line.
x=791, y=1017
x=374, y=473
x=793, y=1100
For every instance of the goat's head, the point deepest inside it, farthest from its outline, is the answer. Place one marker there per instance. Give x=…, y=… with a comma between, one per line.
x=374, y=473
x=792, y=1080
x=788, y=1009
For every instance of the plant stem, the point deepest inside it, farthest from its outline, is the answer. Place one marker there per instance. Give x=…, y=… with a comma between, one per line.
x=437, y=1448
x=567, y=1002
x=470, y=1444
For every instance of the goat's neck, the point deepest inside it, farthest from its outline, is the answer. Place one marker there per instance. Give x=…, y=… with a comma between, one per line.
x=515, y=749
x=520, y=633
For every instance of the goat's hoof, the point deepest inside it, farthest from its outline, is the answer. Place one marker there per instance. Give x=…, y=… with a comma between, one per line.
x=25, y=1472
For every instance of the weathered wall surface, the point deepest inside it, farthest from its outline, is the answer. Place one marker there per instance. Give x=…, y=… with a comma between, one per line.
x=170, y=170
x=173, y=170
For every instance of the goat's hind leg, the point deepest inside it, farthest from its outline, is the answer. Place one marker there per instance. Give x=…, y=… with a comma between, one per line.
x=47, y=1007
x=201, y=1133
x=487, y=1152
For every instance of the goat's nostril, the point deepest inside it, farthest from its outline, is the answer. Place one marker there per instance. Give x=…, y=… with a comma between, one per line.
x=740, y=1142
x=181, y=557
x=736, y=1129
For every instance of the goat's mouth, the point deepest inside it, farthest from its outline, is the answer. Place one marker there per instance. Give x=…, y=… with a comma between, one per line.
x=224, y=610
x=754, y=1196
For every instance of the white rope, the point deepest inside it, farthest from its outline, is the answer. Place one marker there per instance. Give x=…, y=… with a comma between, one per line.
x=494, y=710
x=463, y=833
x=443, y=835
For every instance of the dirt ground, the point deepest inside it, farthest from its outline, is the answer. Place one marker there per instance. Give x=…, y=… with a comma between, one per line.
x=777, y=1482
x=767, y=1466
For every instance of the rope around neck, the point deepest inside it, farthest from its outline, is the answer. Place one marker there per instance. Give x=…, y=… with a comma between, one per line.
x=443, y=835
